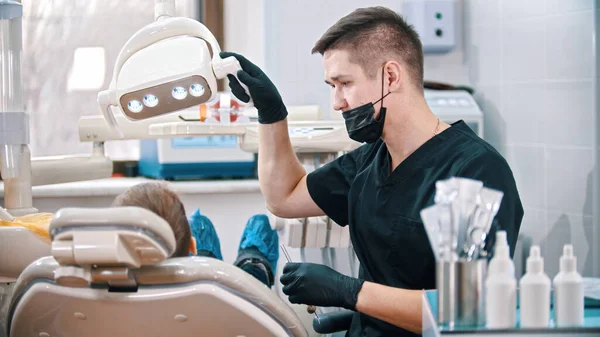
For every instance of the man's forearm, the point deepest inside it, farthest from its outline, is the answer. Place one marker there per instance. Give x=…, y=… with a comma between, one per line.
x=400, y=307
x=279, y=170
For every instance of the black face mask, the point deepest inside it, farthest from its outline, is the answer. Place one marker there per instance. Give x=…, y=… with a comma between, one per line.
x=361, y=123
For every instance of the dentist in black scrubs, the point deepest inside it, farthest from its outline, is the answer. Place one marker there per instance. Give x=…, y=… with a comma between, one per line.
x=373, y=63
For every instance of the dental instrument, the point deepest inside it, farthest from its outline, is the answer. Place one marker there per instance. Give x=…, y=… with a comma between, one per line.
x=311, y=309
x=459, y=222
x=488, y=204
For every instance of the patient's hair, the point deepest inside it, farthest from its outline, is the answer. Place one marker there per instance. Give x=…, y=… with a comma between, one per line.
x=372, y=36
x=160, y=199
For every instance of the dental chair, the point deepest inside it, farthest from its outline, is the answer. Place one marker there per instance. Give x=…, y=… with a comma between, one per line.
x=110, y=275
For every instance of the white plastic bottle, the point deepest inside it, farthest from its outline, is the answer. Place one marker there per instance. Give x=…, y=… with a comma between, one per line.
x=501, y=287
x=568, y=291
x=535, y=292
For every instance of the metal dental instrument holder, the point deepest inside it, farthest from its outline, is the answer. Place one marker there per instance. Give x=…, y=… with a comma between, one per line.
x=461, y=290
x=457, y=226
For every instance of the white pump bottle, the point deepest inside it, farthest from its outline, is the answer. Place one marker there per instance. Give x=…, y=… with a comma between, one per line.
x=501, y=287
x=535, y=292
x=568, y=291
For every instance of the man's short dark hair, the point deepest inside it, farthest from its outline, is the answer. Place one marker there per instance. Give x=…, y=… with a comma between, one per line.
x=372, y=35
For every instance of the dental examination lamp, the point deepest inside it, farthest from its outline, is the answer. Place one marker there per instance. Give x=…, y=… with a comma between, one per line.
x=165, y=67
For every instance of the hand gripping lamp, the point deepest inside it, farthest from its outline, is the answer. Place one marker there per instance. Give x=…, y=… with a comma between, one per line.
x=165, y=67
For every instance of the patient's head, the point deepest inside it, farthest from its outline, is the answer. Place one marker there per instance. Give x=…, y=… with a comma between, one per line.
x=160, y=199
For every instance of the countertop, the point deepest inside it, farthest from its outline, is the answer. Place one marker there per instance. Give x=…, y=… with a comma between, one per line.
x=115, y=186
x=591, y=326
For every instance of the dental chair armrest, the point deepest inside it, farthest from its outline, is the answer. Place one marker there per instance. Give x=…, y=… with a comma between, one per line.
x=333, y=322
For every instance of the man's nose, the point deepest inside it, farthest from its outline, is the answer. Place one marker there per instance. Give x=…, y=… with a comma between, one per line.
x=339, y=103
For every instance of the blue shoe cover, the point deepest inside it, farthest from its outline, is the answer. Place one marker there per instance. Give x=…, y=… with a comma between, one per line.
x=205, y=234
x=259, y=234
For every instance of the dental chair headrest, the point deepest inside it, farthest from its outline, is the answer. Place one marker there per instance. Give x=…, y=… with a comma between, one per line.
x=101, y=244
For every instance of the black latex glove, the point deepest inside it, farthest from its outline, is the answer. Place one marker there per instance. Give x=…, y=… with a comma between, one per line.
x=266, y=98
x=317, y=284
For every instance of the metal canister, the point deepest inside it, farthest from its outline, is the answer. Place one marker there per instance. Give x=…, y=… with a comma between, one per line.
x=461, y=292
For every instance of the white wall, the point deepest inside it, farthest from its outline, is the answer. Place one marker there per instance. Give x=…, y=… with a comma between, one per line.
x=532, y=65
x=244, y=29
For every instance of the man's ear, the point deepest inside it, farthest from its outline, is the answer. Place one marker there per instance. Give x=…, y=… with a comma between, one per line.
x=192, y=248
x=394, y=75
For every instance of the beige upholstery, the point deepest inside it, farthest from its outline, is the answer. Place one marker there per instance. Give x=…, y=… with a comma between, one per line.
x=13, y=257
x=181, y=289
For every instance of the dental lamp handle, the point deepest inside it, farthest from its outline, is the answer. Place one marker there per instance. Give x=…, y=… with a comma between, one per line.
x=230, y=65
x=250, y=102
x=105, y=101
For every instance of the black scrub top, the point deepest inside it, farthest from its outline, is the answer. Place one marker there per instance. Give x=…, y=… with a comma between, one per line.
x=382, y=207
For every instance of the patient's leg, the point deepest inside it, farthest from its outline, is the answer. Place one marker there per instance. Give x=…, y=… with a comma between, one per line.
x=205, y=253
x=255, y=263
x=259, y=249
x=207, y=240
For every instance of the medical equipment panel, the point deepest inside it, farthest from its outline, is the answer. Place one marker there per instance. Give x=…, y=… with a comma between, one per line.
x=216, y=156
x=201, y=156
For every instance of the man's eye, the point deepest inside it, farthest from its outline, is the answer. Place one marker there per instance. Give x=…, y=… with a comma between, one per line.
x=345, y=84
